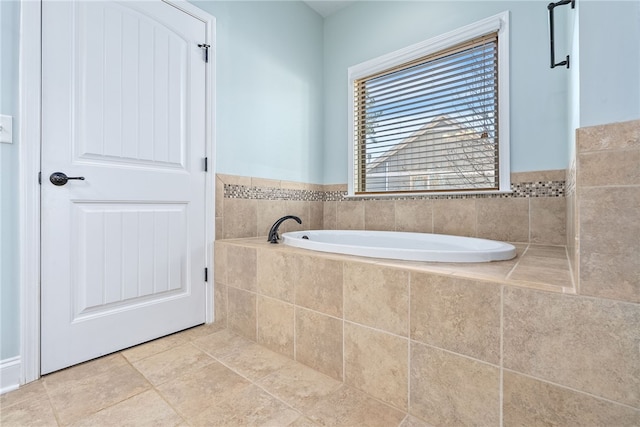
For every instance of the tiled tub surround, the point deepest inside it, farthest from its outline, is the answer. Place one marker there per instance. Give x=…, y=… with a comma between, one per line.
x=603, y=207
x=251, y=215
x=480, y=344
x=534, y=212
x=509, y=343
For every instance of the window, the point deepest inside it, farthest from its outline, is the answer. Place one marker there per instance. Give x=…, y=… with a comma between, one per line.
x=433, y=117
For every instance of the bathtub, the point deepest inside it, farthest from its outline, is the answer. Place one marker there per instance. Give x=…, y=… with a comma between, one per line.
x=400, y=245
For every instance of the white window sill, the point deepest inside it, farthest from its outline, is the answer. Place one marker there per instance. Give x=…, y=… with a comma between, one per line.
x=425, y=194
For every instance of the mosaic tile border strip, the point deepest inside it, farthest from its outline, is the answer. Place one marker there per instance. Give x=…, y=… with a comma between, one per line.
x=233, y=191
x=519, y=190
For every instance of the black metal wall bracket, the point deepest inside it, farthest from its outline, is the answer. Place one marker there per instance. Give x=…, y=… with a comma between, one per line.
x=551, y=7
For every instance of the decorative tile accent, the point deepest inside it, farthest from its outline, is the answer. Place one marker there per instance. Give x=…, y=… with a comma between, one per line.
x=519, y=189
x=233, y=191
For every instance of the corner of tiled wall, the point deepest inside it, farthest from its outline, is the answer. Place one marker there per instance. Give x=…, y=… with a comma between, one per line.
x=573, y=241
x=607, y=206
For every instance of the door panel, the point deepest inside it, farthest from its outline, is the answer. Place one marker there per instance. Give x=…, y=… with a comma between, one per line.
x=123, y=251
x=128, y=241
x=131, y=95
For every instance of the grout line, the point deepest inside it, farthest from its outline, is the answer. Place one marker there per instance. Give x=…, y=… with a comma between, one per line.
x=571, y=273
x=409, y=346
x=513, y=269
x=529, y=218
x=484, y=362
x=574, y=390
x=53, y=407
x=295, y=329
x=372, y=328
x=344, y=359
x=501, y=385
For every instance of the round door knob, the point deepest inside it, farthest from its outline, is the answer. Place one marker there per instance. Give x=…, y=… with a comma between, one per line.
x=60, y=178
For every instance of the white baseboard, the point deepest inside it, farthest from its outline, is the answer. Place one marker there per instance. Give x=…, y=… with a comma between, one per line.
x=9, y=374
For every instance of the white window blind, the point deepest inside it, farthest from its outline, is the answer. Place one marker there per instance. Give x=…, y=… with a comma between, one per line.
x=430, y=124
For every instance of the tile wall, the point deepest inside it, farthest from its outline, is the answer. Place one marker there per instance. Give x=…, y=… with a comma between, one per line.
x=603, y=208
x=447, y=349
x=534, y=212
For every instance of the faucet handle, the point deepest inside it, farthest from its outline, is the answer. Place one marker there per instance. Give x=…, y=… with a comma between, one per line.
x=273, y=232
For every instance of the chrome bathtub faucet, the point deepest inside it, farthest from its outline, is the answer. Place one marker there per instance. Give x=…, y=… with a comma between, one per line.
x=273, y=233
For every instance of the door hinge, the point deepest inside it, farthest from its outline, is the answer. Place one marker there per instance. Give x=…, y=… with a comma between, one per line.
x=206, y=274
x=206, y=51
x=206, y=164
x=40, y=178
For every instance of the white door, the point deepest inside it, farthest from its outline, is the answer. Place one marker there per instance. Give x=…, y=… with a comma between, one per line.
x=123, y=251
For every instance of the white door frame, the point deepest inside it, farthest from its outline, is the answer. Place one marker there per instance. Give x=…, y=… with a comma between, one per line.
x=30, y=80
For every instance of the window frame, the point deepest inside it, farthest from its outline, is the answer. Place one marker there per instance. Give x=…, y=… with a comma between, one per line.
x=498, y=23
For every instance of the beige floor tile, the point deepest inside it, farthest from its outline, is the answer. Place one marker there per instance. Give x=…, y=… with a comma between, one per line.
x=203, y=330
x=411, y=421
x=299, y=386
x=172, y=363
x=303, y=422
x=349, y=407
x=151, y=348
x=221, y=343
x=144, y=409
x=199, y=389
x=85, y=389
x=32, y=390
x=84, y=370
x=109, y=391
x=249, y=406
x=254, y=361
x=31, y=412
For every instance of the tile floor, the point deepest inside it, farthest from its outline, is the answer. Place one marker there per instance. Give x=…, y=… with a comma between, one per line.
x=205, y=376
